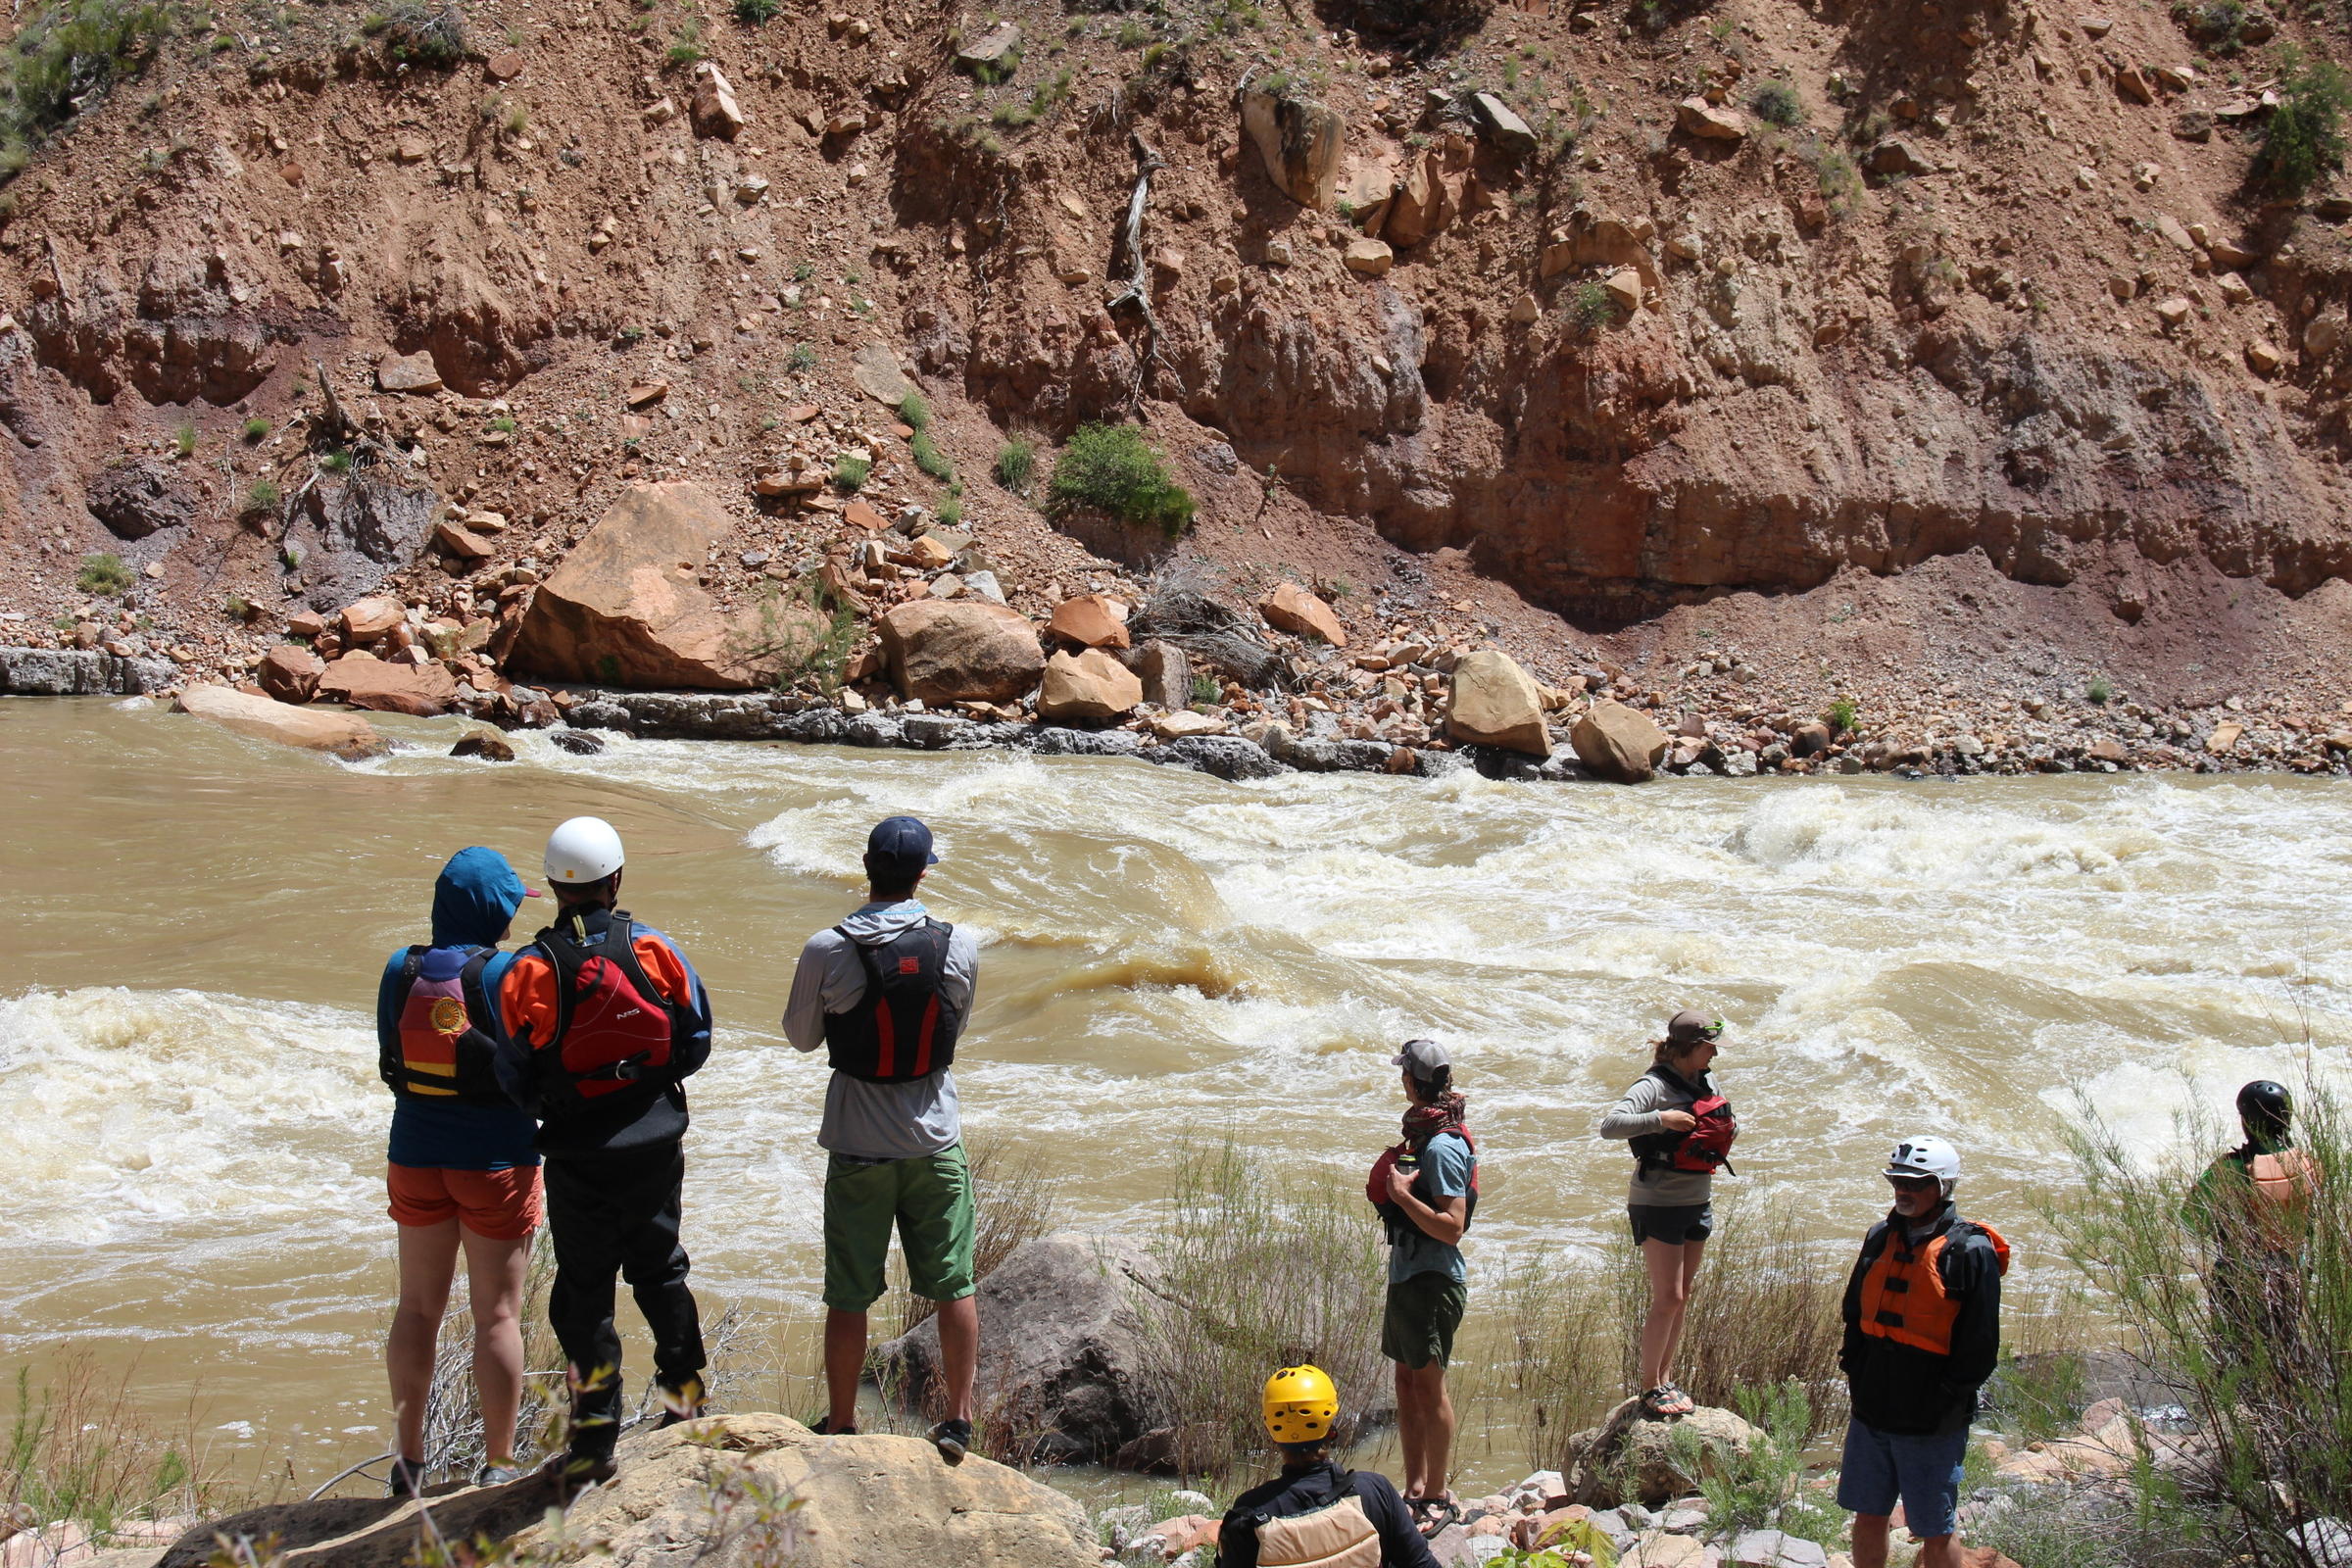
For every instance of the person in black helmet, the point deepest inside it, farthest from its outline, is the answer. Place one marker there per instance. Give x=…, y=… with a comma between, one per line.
x=2253, y=1207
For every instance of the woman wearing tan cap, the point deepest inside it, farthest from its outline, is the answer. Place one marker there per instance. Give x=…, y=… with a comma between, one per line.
x=1679, y=1128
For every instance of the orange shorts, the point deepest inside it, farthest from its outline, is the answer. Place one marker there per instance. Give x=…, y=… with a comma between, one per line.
x=502, y=1205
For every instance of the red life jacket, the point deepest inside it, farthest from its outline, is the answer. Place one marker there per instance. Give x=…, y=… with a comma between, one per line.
x=614, y=1029
x=899, y=1029
x=1376, y=1182
x=442, y=1050
x=1706, y=1148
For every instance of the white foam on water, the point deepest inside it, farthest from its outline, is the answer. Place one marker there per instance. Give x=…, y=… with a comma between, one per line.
x=134, y=1111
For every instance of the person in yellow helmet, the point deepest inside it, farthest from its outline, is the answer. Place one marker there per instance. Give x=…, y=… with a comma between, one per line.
x=1315, y=1511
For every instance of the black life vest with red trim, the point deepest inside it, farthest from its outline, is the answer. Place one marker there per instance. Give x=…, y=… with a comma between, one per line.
x=901, y=1028
x=1904, y=1293
x=614, y=1030
x=1706, y=1148
x=1393, y=1217
x=440, y=1051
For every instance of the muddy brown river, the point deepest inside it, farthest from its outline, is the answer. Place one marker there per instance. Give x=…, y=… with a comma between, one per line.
x=191, y=1129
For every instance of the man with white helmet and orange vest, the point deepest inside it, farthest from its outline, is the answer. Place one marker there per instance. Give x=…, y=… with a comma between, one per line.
x=1315, y=1511
x=1923, y=1331
x=605, y=1020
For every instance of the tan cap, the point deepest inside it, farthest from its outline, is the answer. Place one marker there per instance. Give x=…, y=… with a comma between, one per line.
x=1691, y=1026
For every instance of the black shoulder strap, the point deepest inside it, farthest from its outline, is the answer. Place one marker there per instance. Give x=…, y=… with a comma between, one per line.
x=413, y=964
x=477, y=997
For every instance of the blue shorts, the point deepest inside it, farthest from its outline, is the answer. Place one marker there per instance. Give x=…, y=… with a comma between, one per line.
x=1923, y=1471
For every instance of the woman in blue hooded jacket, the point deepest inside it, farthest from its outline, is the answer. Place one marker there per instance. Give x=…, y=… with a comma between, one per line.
x=460, y=1172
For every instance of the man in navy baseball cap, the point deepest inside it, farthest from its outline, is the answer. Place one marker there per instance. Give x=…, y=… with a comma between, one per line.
x=897, y=852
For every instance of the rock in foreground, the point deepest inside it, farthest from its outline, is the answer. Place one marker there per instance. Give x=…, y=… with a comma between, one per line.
x=1630, y=1457
x=1495, y=702
x=1618, y=743
x=961, y=651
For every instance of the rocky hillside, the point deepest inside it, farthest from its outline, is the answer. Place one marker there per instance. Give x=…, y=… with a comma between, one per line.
x=1959, y=359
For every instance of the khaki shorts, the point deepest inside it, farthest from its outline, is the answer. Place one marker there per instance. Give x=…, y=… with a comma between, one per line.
x=1423, y=1311
x=928, y=1199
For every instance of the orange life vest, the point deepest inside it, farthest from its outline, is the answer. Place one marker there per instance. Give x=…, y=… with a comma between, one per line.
x=2283, y=1185
x=1903, y=1298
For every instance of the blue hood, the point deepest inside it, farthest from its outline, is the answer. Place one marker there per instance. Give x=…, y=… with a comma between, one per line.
x=475, y=898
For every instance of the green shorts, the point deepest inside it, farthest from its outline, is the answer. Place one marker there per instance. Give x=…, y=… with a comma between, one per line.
x=928, y=1198
x=1422, y=1314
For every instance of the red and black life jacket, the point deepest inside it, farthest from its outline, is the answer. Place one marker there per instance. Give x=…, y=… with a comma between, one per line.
x=1393, y=1217
x=1706, y=1148
x=614, y=1031
x=900, y=1029
x=441, y=1049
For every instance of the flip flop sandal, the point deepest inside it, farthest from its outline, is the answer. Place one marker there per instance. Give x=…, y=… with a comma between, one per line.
x=1684, y=1405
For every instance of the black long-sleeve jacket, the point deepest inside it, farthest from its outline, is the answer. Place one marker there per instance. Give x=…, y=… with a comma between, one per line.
x=1904, y=1388
x=1310, y=1486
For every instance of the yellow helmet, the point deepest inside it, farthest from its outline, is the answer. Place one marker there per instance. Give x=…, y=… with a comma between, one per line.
x=1301, y=1403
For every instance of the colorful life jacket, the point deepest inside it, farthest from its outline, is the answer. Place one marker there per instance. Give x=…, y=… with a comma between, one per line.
x=900, y=1029
x=614, y=1031
x=1706, y=1148
x=1393, y=1217
x=1903, y=1296
x=1337, y=1534
x=442, y=1051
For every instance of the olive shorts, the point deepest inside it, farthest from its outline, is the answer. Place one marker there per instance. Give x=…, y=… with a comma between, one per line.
x=928, y=1198
x=1423, y=1311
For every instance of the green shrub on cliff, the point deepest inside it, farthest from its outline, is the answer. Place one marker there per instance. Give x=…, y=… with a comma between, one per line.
x=65, y=58
x=1111, y=469
x=414, y=33
x=104, y=575
x=2305, y=136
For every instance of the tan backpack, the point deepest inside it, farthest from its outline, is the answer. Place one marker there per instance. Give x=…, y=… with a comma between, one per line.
x=1335, y=1536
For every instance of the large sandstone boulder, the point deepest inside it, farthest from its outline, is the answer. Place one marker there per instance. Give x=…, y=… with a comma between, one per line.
x=1495, y=702
x=290, y=672
x=1292, y=608
x=1302, y=143
x=365, y=681
x=343, y=735
x=1166, y=674
x=1618, y=743
x=1632, y=1458
x=699, y=1492
x=624, y=608
x=962, y=651
x=1060, y=1348
x=1087, y=687
x=1089, y=621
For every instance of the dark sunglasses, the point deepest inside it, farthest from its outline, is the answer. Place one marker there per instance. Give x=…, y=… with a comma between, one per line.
x=1916, y=1184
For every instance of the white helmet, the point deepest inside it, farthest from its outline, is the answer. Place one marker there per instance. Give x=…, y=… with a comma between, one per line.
x=1926, y=1156
x=583, y=850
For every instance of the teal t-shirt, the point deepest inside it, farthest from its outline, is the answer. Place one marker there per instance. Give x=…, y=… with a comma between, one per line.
x=1445, y=1168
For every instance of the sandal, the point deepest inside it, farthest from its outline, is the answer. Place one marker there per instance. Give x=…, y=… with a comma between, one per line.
x=1431, y=1515
x=1666, y=1402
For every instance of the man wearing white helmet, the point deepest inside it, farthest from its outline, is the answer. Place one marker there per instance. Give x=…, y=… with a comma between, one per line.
x=605, y=1021
x=1923, y=1331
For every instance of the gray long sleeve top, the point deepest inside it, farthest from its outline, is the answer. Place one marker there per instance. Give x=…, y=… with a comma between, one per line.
x=1636, y=1114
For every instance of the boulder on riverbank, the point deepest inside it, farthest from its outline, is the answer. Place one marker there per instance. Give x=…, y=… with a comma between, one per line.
x=1087, y=687
x=1495, y=702
x=1618, y=743
x=382, y=686
x=1061, y=1347
x=626, y=608
x=962, y=651
x=344, y=735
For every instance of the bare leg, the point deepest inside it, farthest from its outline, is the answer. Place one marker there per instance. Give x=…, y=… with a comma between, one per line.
x=1425, y=1421
x=845, y=1363
x=960, y=1350
x=1671, y=1267
x=1938, y=1552
x=428, y=1261
x=1870, y=1541
x=494, y=1274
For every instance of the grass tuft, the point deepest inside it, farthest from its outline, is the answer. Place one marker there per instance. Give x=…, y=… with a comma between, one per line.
x=1016, y=466
x=104, y=573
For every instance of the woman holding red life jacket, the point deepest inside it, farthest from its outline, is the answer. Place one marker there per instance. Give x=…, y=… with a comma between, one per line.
x=1426, y=1189
x=1679, y=1128
x=462, y=1171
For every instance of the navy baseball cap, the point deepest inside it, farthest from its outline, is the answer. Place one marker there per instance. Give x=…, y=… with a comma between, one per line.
x=900, y=845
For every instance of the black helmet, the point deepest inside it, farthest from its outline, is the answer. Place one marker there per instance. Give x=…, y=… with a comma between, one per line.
x=2265, y=1108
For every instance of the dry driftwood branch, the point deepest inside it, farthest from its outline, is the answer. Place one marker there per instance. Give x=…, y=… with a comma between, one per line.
x=1138, y=291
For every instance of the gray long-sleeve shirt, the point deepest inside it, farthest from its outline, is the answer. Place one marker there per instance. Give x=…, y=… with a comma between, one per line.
x=1636, y=1114
x=866, y=1120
